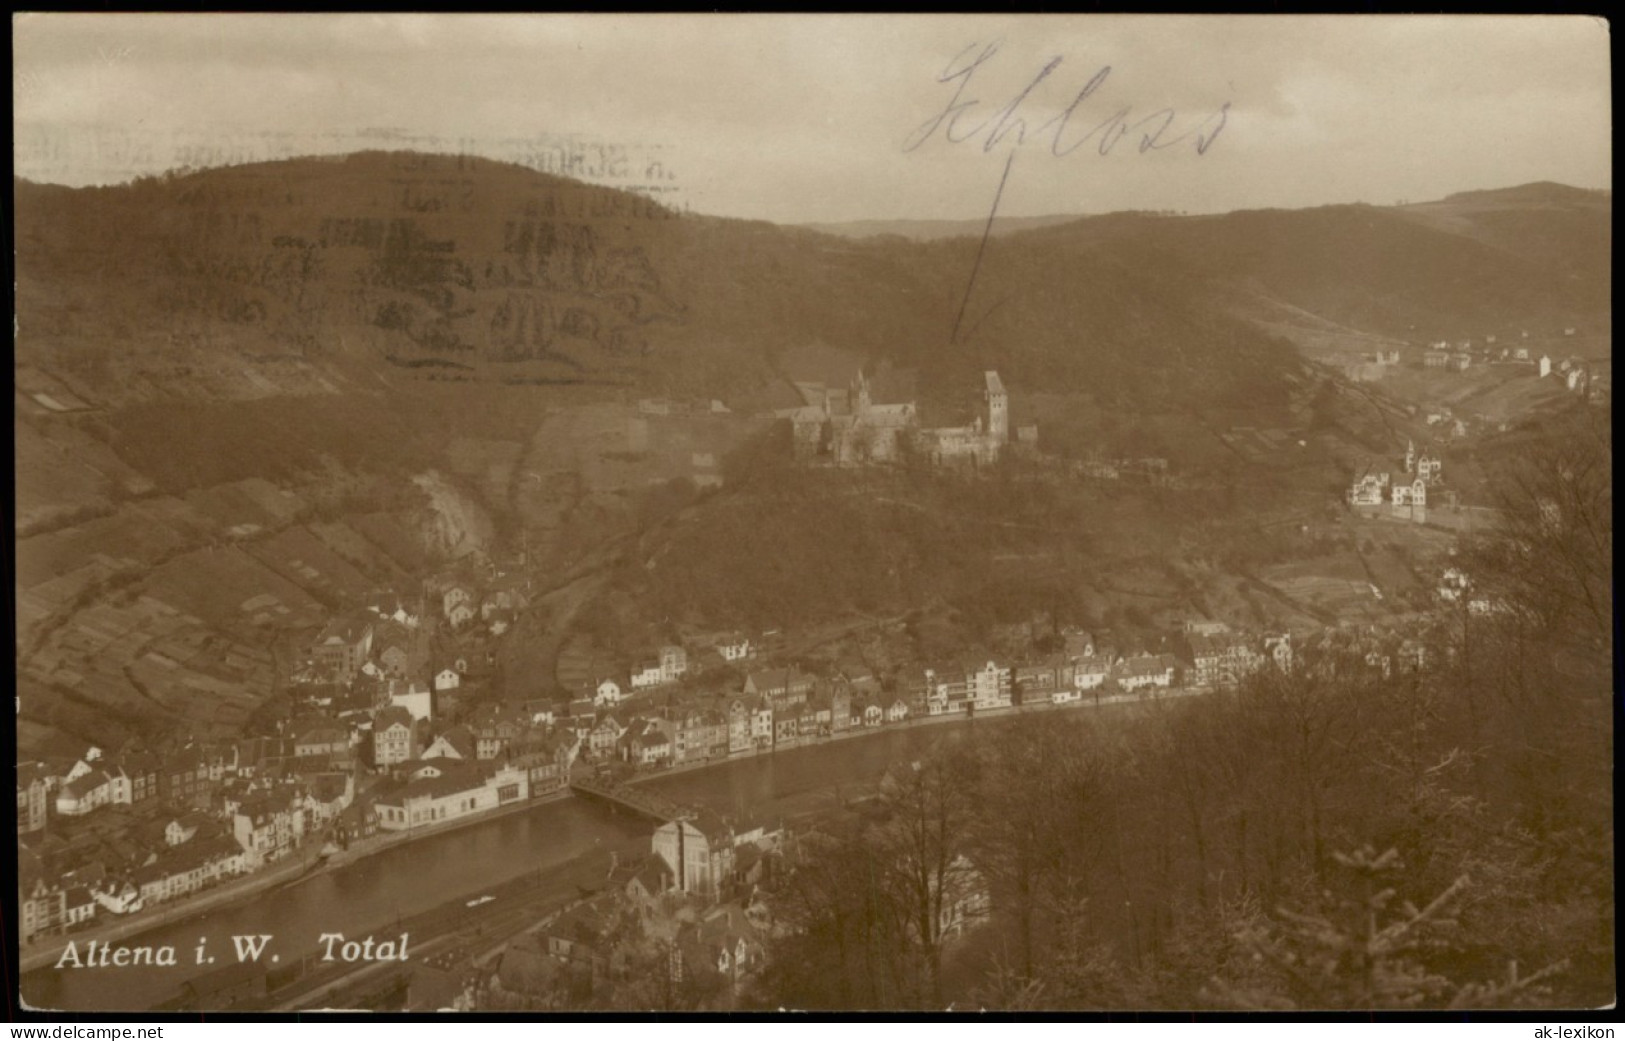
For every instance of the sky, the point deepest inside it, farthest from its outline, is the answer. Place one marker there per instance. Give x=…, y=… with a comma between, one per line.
x=811, y=118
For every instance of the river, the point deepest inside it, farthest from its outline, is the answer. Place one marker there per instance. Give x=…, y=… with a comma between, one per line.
x=368, y=896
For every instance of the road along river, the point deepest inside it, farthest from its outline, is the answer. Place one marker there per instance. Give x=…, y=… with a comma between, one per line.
x=369, y=896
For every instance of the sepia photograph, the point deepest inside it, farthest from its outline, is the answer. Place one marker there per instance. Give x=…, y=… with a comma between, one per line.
x=740, y=513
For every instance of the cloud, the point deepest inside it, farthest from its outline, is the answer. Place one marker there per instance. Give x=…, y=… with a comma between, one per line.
x=801, y=117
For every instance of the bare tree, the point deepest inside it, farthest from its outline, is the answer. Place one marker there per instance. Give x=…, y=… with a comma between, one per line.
x=932, y=803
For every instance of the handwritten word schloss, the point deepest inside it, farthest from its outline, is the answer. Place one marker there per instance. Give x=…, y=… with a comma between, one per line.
x=962, y=119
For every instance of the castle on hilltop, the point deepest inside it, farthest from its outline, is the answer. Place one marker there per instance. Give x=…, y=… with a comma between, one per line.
x=847, y=428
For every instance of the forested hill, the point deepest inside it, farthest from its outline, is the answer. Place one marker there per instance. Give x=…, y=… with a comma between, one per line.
x=295, y=276
x=1536, y=256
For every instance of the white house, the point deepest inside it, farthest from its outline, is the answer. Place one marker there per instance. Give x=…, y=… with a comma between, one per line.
x=761, y=722
x=604, y=736
x=452, y=794
x=1278, y=647
x=85, y=793
x=418, y=702
x=1452, y=584
x=734, y=647
x=447, y=679
x=608, y=693
x=697, y=850
x=456, y=743
x=1091, y=672
x=647, y=674
x=1413, y=494
x=455, y=596
x=990, y=686
x=1145, y=670
x=119, y=897
x=673, y=663
x=1369, y=489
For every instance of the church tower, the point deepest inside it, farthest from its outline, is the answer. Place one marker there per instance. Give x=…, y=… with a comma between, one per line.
x=860, y=405
x=998, y=409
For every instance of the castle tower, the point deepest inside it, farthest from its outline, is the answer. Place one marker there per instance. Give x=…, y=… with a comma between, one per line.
x=860, y=405
x=998, y=408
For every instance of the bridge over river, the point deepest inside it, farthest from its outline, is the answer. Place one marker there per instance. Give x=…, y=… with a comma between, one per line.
x=640, y=801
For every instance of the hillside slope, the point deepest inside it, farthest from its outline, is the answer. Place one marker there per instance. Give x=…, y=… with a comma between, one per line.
x=314, y=276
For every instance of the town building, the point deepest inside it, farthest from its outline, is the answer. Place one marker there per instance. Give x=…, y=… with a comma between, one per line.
x=788, y=686
x=1369, y=489
x=648, y=674
x=673, y=663
x=1410, y=500
x=1038, y=683
x=394, y=736
x=417, y=701
x=454, y=743
x=990, y=686
x=607, y=694
x=343, y=647
x=1145, y=670
x=459, y=790
x=1220, y=659
x=85, y=793
x=320, y=738
x=267, y=825
x=698, y=850
x=1278, y=649
x=846, y=427
x=734, y=647
x=1091, y=672
x=33, y=796
x=603, y=737
x=646, y=744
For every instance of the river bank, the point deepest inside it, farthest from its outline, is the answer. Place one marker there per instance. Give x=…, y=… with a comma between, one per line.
x=300, y=871
x=912, y=723
x=290, y=871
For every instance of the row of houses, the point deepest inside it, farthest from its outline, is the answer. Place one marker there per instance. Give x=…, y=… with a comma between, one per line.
x=65, y=883
x=264, y=807
x=783, y=706
x=696, y=896
x=386, y=644
x=669, y=665
x=495, y=603
x=188, y=776
x=131, y=777
x=504, y=754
